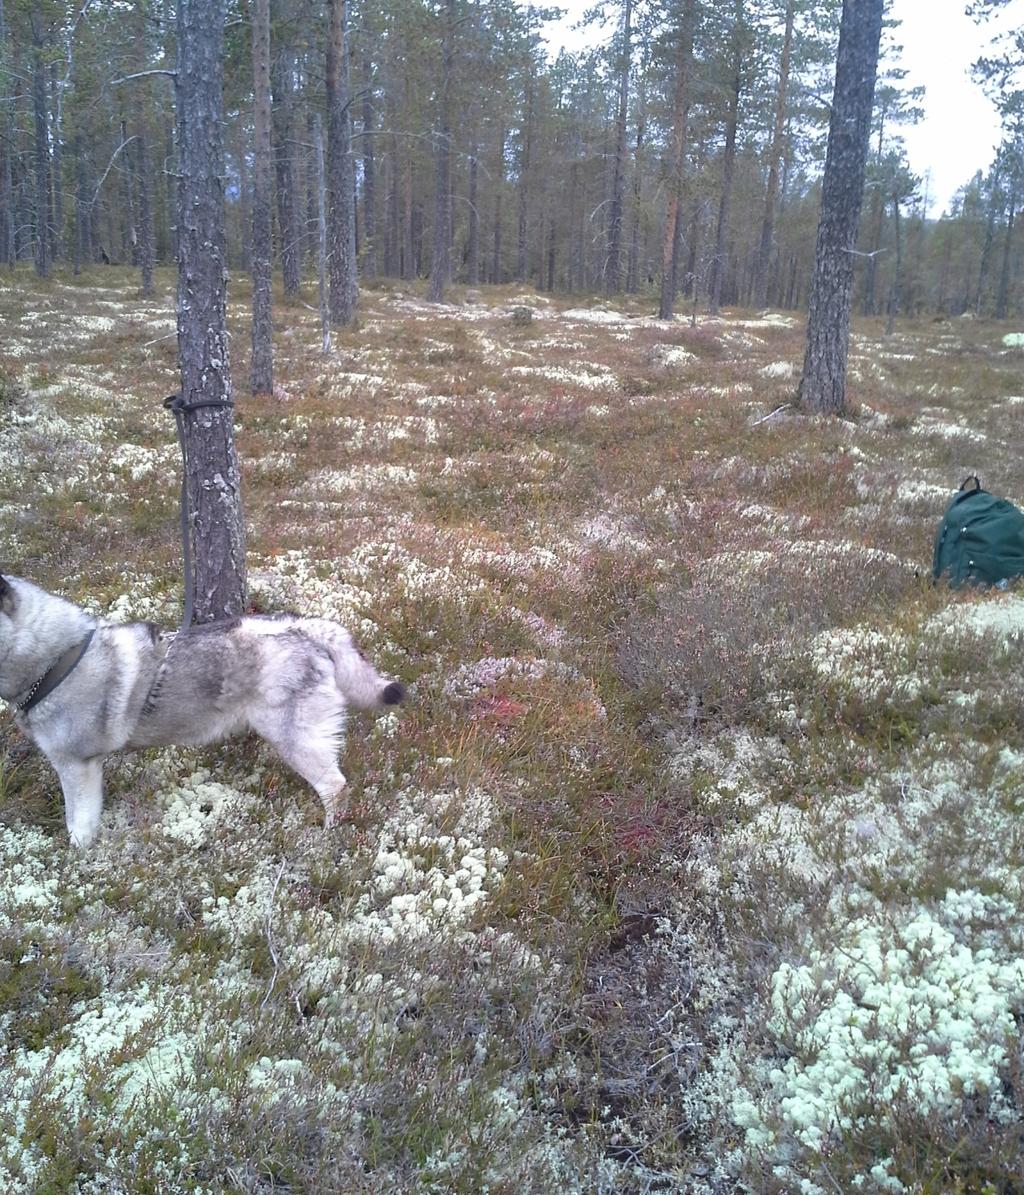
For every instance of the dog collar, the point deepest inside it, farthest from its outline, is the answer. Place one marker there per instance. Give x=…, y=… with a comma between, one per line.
x=58, y=672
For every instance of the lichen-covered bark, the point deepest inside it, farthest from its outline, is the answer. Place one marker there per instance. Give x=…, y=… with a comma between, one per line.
x=214, y=484
x=823, y=385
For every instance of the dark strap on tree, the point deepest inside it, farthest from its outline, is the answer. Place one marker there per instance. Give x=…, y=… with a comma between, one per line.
x=175, y=403
x=58, y=672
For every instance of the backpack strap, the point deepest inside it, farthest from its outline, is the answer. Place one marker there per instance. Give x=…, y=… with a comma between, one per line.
x=975, y=488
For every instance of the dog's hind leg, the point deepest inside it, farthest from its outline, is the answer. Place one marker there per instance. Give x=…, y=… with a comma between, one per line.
x=317, y=764
x=309, y=743
x=82, y=783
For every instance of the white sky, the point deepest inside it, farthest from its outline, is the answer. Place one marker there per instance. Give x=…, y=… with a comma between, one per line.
x=960, y=129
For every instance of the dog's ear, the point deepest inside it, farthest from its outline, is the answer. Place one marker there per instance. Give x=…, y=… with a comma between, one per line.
x=6, y=596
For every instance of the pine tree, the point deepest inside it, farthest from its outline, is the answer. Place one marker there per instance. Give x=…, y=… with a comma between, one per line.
x=823, y=384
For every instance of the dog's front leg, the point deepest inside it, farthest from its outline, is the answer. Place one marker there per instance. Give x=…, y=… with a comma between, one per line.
x=82, y=782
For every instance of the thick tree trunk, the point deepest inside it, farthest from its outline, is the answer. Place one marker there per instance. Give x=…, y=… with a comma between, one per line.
x=771, y=196
x=285, y=166
x=677, y=158
x=57, y=170
x=214, y=482
x=341, y=214
x=441, y=263
x=823, y=385
x=613, y=262
x=262, y=374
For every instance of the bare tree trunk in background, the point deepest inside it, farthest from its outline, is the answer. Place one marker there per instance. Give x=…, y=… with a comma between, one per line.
x=677, y=158
x=499, y=186
x=473, y=237
x=286, y=174
x=42, y=150
x=262, y=373
x=441, y=263
x=80, y=249
x=57, y=169
x=633, y=270
x=524, y=170
x=1003, y=298
x=392, y=221
x=895, y=286
x=147, y=238
x=613, y=262
x=214, y=482
x=8, y=241
x=728, y=159
x=341, y=215
x=771, y=197
x=823, y=385
x=369, y=180
x=986, y=249
x=321, y=224
x=408, y=222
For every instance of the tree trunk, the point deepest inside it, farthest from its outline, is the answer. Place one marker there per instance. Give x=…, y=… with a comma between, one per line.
x=285, y=166
x=1003, y=298
x=499, y=186
x=677, y=158
x=823, y=385
x=473, y=237
x=392, y=220
x=81, y=246
x=369, y=181
x=524, y=171
x=57, y=170
x=893, y=305
x=986, y=249
x=728, y=159
x=42, y=150
x=613, y=264
x=214, y=482
x=441, y=263
x=633, y=271
x=262, y=377
x=774, y=163
x=408, y=222
x=321, y=223
x=147, y=239
x=8, y=241
x=341, y=215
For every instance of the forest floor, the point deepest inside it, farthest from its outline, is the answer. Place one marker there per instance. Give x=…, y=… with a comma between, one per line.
x=693, y=862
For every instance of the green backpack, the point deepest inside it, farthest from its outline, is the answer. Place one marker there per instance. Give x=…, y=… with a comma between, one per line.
x=980, y=540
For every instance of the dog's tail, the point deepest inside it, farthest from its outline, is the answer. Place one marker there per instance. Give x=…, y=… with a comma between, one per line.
x=358, y=680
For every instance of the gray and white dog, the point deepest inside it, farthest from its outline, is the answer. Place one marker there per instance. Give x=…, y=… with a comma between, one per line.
x=82, y=688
